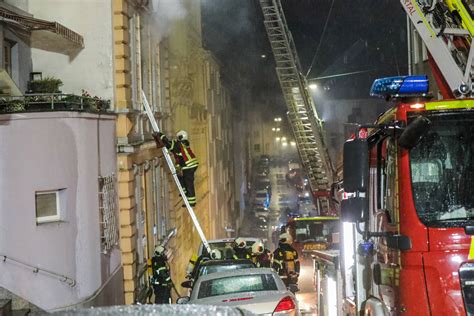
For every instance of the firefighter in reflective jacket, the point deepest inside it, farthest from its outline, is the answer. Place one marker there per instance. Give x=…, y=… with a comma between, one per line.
x=185, y=161
x=261, y=256
x=285, y=260
x=160, y=279
x=240, y=249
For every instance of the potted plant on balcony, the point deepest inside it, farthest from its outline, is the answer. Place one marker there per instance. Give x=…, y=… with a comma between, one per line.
x=46, y=85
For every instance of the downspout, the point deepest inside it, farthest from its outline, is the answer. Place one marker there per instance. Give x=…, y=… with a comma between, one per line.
x=409, y=39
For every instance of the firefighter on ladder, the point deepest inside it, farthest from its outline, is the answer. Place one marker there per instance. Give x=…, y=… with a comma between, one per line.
x=160, y=279
x=185, y=160
x=285, y=260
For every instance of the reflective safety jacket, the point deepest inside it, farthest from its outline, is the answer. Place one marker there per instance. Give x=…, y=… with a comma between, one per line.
x=263, y=260
x=160, y=272
x=241, y=253
x=285, y=260
x=182, y=152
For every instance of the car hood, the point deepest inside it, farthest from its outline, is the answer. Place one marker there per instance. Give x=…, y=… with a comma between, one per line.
x=261, y=302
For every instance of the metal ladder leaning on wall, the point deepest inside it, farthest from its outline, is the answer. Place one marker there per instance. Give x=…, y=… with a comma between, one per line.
x=307, y=127
x=170, y=163
x=448, y=43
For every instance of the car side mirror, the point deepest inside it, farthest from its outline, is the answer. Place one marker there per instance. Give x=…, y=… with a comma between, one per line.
x=356, y=165
x=400, y=242
x=354, y=209
x=187, y=284
x=413, y=133
x=183, y=300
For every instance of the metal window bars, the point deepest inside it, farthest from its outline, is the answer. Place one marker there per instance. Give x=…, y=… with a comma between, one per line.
x=108, y=209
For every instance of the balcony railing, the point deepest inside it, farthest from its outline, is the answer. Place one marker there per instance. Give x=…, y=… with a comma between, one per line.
x=53, y=102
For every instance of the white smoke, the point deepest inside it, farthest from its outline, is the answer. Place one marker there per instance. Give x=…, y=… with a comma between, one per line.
x=163, y=14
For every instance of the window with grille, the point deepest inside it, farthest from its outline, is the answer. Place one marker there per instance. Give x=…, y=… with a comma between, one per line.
x=108, y=212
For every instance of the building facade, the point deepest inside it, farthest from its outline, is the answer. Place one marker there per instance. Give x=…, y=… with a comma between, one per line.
x=160, y=52
x=58, y=205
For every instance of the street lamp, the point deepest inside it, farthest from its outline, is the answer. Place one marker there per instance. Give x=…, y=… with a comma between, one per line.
x=293, y=144
x=313, y=86
x=273, y=129
x=277, y=129
x=277, y=139
x=283, y=139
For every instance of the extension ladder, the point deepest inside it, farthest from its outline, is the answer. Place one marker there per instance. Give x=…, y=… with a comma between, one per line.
x=170, y=163
x=448, y=42
x=307, y=127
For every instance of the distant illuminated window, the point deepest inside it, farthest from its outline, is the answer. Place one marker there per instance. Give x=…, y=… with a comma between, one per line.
x=256, y=147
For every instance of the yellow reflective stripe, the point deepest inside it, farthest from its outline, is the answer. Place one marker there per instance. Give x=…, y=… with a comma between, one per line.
x=162, y=137
x=471, y=249
x=188, y=156
x=190, y=161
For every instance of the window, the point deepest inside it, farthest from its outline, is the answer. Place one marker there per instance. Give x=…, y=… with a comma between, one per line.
x=108, y=209
x=48, y=206
x=256, y=147
x=7, y=56
x=237, y=284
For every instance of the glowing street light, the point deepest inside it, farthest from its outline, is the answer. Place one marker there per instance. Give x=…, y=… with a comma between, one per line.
x=284, y=144
x=277, y=129
x=273, y=129
x=293, y=144
x=277, y=139
x=283, y=139
x=313, y=86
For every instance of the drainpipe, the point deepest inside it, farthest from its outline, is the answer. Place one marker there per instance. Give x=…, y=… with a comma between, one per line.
x=409, y=38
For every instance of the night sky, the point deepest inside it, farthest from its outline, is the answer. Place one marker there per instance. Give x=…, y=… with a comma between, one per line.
x=361, y=35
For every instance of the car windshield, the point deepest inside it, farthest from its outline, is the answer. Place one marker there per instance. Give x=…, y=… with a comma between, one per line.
x=318, y=231
x=208, y=269
x=261, y=195
x=237, y=284
x=442, y=169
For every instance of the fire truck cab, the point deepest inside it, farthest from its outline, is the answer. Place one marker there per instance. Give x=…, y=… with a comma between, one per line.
x=408, y=220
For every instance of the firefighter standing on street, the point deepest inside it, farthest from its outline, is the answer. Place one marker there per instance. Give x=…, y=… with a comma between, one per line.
x=285, y=260
x=261, y=256
x=160, y=279
x=185, y=160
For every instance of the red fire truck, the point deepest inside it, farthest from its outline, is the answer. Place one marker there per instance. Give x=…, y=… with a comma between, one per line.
x=313, y=233
x=409, y=220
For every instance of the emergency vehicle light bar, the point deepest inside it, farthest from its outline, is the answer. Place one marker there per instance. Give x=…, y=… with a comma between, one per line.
x=400, y=86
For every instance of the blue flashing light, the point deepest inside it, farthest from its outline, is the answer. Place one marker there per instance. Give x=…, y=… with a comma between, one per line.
x=400, y=86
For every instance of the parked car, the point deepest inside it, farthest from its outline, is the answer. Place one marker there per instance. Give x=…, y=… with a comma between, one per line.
x=261, y=212
x=260, y=291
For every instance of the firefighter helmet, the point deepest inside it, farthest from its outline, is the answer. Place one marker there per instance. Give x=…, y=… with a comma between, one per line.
x=285, y=238
x=182, y=135
x=159, y=250
x=257, y=247
x=216, y=254
x=240, y=242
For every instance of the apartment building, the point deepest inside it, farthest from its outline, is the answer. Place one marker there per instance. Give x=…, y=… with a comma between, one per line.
x=160, y=52
x=58, y=203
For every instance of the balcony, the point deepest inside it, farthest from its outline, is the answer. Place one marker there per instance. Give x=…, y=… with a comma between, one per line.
x=44, y=102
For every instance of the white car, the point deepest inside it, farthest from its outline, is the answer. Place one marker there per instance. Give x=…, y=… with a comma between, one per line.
x=260, y=291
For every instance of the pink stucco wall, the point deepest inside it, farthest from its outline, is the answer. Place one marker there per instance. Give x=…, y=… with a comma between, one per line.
x=48, y=151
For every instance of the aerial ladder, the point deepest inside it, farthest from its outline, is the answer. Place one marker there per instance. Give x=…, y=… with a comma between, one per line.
x=172, y=168
x=445, y=27
x=305, y=123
